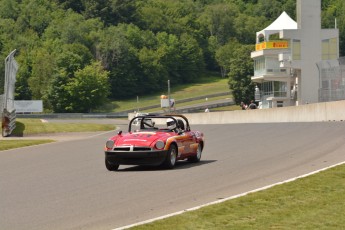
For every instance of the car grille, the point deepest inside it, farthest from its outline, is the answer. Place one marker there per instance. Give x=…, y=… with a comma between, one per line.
x=132, y=148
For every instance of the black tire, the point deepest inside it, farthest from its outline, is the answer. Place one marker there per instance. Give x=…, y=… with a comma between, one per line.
x=171, y=158
x=110, y=166
x=197, y=157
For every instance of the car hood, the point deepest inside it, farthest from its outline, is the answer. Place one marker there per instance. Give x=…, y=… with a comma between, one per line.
x=140, y=138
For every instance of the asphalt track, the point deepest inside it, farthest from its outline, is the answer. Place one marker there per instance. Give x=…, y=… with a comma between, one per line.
x=64, y=185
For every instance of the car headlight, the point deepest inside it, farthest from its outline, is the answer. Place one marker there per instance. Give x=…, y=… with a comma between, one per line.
x=109, y=144
x=159, y=144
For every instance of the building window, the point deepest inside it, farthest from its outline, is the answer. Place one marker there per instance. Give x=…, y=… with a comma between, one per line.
x=280, y=103
x=259, y=66
x=280, y=89
x=329, y=49
x=296, y=49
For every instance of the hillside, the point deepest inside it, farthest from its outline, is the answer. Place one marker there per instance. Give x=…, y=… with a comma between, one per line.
x=74, y=55
x=212, y=88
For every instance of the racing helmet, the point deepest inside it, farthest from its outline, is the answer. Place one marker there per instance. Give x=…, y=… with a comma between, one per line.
x=171, y=124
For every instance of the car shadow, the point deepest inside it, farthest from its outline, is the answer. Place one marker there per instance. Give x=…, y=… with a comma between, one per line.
x=178, y=166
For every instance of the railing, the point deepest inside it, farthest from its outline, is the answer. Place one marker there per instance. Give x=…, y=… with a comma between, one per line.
x=272, y=45
x=279, y=72
x=274, y=94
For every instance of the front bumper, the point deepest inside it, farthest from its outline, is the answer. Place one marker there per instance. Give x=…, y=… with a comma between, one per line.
x=136, y=157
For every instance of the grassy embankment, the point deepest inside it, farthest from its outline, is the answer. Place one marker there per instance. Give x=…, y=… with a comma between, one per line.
x=205, y=86
x=26, y=127
x=314, y=202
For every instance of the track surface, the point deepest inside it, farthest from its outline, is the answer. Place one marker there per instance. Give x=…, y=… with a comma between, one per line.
x=65, y=185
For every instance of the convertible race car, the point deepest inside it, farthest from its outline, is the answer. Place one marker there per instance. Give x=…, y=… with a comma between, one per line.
x=154, y=140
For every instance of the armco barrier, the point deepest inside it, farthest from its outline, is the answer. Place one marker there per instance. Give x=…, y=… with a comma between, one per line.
x=318, y=112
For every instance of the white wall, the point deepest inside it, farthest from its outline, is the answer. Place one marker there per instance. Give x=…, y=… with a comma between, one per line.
x=317, y=112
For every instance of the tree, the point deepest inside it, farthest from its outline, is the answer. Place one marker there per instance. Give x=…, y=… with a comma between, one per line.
x=43, y=67
x=218, y=20
x=191, y=60
x=225, y=54
x=334, y=9
x=120, y=57
x=57, y=95
x=73, y=57
x=75, y=5
x=246, y=25
x=241, y=70
x=27, y=42
x=173, y=17
x=9, y=9
x=35, y=15
x=70, y=27
x=86, y=91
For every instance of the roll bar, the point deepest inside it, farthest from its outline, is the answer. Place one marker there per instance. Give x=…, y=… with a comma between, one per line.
x=172, y=116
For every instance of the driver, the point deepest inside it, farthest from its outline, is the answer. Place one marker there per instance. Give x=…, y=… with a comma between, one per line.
x=171, y=124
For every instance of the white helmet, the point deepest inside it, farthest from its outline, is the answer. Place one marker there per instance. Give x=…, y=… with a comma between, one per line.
x=171, y=123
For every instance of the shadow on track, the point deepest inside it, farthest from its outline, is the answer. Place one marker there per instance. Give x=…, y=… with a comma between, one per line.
x=179, y=165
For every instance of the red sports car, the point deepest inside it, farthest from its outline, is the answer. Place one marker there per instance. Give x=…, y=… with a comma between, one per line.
x=154, y=140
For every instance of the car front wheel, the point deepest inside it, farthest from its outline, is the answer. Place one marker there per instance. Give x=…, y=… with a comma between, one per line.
x=110, y=166
x=171, y=158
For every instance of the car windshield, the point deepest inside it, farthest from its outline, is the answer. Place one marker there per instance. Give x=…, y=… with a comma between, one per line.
x=156, y=124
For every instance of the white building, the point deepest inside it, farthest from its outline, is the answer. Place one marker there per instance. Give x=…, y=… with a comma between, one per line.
x=287, y=54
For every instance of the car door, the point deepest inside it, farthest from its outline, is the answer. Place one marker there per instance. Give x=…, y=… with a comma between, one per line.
x=187, y=139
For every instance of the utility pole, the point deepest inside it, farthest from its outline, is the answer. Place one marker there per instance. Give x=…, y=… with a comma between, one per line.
x=169, y=96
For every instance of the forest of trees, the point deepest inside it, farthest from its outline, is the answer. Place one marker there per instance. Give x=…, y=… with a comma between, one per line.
x=74, y=54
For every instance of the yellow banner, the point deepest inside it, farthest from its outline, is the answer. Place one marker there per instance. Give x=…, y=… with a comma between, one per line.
x=272, y=45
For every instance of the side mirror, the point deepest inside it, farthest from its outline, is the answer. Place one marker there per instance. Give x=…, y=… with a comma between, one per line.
x=119, y=132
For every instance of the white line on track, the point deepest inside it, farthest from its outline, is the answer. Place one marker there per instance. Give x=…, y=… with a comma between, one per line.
x=228, y=198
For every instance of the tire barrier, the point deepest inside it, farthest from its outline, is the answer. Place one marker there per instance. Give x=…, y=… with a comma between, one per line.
x=8, y=122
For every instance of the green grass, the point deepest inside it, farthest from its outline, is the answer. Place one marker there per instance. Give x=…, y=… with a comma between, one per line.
x=205, y=86
x=12, y=144
x=25, y=127
x=194, y=102
x=314, y=202
x=36, y=126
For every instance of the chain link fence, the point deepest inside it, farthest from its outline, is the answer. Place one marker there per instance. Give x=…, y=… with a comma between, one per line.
x=332, y=80
x=7, y=109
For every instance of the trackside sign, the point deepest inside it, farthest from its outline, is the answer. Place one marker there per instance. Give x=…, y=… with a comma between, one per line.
x=28, y=106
